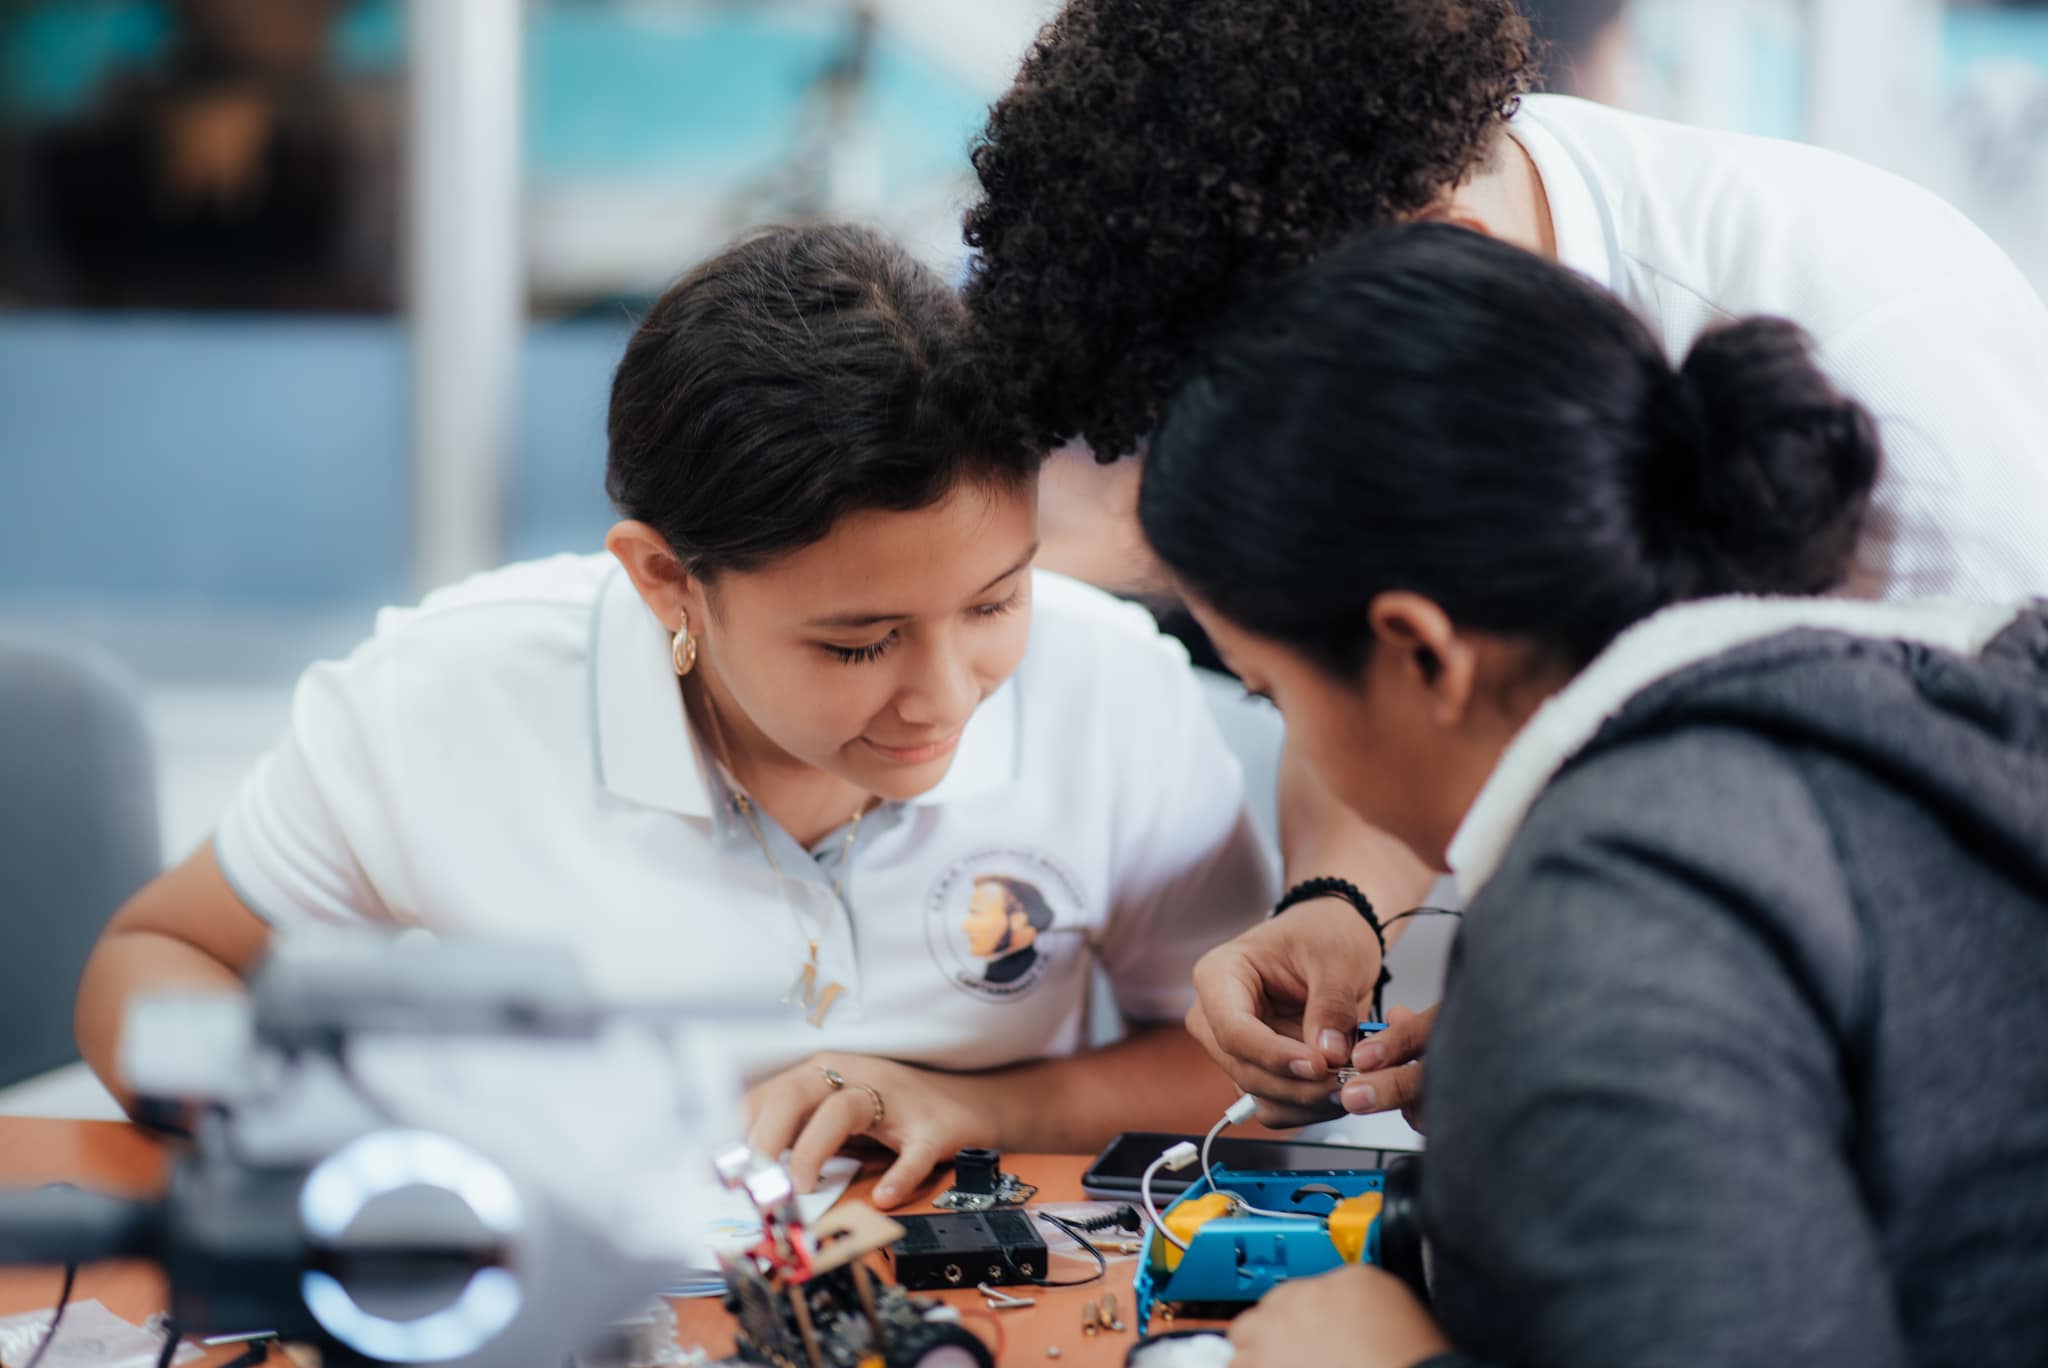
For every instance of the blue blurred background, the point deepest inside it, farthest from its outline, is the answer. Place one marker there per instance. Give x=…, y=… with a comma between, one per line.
x=246, y=461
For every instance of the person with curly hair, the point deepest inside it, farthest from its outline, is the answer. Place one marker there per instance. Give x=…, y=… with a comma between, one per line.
x=1160, y=165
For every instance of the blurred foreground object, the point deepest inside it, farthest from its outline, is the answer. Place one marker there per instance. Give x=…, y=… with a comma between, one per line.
x=408, y=1152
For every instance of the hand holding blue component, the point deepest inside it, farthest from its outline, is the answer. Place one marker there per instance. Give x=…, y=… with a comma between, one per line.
x=1386, y=1067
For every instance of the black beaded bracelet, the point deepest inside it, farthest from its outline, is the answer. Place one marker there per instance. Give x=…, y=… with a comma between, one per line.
x=1310, y=889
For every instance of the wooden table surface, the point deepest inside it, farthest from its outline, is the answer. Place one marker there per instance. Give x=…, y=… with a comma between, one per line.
x=118, y=1158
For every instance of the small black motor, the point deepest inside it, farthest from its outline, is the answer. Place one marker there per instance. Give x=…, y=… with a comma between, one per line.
x=979, y=1183
x=977, y=1170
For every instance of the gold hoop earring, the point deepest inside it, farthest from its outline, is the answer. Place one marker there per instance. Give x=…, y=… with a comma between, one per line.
x=682, y=649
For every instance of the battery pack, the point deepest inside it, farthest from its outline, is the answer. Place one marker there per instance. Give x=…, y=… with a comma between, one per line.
x=960, y=1249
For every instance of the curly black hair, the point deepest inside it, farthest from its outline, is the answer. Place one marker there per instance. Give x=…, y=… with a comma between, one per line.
x=1159, y=160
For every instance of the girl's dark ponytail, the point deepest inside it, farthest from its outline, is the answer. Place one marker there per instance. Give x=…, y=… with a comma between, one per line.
x=1761, y=472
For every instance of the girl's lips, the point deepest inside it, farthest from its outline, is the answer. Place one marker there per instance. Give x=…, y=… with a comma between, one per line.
x=913, y=755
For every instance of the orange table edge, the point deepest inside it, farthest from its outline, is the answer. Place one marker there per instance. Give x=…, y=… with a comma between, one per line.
x=114, y=1157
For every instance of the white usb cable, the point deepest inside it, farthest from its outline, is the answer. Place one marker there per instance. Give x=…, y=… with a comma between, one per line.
x=1176, y=1158
x=1240, y=1112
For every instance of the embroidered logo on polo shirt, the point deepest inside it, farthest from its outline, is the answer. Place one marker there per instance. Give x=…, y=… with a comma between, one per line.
x=999, y=920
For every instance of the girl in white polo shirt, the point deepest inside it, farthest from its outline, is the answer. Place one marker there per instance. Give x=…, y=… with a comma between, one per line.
x=813, y=736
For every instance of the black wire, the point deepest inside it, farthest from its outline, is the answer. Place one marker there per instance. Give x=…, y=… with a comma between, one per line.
x=1378, y=1012
x=1427, y=912
x=171, y=1338
x=57, y=1317
x=1101, y=1262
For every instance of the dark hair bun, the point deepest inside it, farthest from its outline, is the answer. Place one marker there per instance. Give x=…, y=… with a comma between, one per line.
x=1764, y=480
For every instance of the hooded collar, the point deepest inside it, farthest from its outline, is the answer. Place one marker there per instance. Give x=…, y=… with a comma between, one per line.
x=1655, y=649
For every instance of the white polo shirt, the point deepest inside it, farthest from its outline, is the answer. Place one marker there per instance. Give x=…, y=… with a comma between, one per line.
x=512, y=757
x=1916, y=314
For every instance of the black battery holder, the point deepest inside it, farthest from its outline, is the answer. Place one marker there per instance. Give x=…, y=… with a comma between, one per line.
x=960, y=1249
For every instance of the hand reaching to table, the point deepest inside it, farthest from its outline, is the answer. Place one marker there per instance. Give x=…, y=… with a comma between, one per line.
x=920, y=1114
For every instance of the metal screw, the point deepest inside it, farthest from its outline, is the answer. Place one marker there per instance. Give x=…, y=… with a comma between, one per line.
x=1052, y=1351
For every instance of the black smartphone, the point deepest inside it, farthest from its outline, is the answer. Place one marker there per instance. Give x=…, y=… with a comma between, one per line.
x=1117, y=1170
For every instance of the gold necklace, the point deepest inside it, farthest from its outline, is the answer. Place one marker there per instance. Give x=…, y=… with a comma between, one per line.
x=817, y=1001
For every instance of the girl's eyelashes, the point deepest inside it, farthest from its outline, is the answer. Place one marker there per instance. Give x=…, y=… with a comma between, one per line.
x=989, y=610
x=860, y=655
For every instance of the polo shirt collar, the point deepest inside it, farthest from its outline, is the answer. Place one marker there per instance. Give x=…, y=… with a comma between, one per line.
x=1577, y=218
x=646, y=752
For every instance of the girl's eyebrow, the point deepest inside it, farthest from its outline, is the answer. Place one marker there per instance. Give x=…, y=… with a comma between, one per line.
x=860, y=619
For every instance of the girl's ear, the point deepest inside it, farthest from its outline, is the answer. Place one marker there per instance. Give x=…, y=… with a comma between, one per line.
x=1423, y=647
x=668, y=589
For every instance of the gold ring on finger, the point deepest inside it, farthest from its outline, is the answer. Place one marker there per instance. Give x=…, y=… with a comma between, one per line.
x=837, y=1081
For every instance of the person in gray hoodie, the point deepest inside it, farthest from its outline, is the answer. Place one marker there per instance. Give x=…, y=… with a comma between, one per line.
x=1744, y=1054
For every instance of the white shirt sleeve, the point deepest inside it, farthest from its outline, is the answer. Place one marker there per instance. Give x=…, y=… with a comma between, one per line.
x=1955, y=380
x=311, y=823
x=1194, y=871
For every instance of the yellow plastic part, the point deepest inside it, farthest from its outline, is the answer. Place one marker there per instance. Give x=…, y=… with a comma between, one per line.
x=1187, y=1218
x=1351, y=1221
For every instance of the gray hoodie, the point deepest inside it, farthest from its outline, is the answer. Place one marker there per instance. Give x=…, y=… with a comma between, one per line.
x=1744, y=1056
